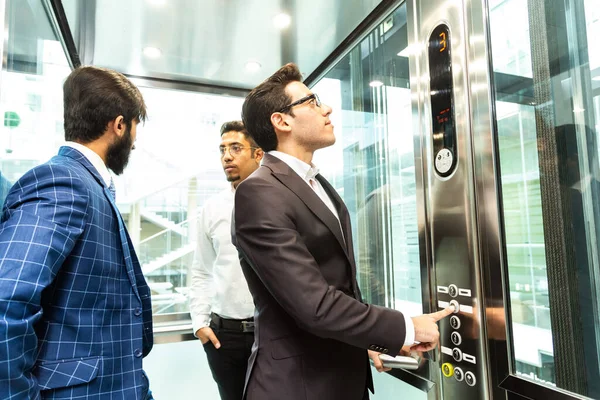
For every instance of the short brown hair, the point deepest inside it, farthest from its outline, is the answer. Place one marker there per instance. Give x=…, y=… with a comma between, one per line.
x=93, y=97
x=264, y=100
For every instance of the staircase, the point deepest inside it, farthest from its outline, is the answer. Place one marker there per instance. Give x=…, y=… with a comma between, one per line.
x=167, y=258
x=161, y=221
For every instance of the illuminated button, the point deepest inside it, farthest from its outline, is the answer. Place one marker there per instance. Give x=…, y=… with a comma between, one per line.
x=442, y=289
x=454, y=322
x=459, y=374
x=456, y=306
x=447, y=370
x=456, y=339
x=470, y=378
x=457, y=354
x=453, y=290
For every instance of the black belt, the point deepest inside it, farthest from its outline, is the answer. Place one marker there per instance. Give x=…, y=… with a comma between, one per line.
x=236, y=325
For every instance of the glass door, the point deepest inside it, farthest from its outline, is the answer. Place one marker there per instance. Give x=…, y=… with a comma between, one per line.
x=546, y=87
x=373, y=167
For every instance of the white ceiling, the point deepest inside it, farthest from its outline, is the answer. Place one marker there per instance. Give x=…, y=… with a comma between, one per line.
x=210, y=41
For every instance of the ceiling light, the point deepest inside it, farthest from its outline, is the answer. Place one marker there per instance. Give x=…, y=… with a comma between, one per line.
x=376, y=84
x=578, y=110
x=282, y=21
x=596, y=78
x=253, y=66
x=157, y=2
x=152, y=52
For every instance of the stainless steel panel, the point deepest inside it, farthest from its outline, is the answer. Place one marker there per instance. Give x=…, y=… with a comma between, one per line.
x=448, y=224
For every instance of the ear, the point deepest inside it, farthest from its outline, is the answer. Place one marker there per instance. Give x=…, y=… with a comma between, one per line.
x=280, y=122
x=117, y=126
x=259, y=154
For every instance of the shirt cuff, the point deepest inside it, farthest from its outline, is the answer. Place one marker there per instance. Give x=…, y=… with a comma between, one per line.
x=200, y=322
x=409, y=339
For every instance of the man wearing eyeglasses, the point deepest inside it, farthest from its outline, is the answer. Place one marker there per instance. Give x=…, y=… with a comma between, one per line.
x=295, y=240
x=220, y=303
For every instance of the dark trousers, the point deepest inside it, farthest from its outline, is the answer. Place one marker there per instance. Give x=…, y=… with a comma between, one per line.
x=229, y=363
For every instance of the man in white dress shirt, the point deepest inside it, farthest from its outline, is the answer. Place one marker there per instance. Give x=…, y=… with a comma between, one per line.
x=221, y=305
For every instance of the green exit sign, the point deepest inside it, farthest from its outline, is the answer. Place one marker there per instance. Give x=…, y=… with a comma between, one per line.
x=11, y=119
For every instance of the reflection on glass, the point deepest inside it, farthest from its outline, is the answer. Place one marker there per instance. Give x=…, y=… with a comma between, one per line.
x=548, y=138
x=372, y=163
x=31, y=97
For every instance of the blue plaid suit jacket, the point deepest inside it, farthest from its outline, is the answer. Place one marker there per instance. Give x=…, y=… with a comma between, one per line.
x=75, y=312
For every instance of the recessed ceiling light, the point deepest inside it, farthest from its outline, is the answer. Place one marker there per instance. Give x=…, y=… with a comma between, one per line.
x=596, y=78
x=157, y=2
x=152, y=52
x=578, y=110
x=282, y=21
x=253, y=66
x=375, y=84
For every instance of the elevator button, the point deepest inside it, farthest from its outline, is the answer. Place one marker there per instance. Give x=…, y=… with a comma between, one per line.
x=456, y=338
x=456, y=306
x=458, y=374
x=457, y=354
x=470, y=378
x=453, y=290
x=447, y=370
x=454, y=322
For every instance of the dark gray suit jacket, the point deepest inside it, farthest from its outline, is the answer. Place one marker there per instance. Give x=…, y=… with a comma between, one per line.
x=312, y=330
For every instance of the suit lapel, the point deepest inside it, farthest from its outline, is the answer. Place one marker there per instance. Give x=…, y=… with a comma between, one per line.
x=346, y=226
x=77, y=156
x=296, y=184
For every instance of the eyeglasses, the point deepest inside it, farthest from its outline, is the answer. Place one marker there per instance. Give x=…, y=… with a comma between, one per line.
x=234, y=149
x=310, y=97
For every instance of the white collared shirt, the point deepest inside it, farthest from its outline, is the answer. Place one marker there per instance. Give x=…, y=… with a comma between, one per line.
x=306, y=172
x=94, y=159
x=217, y=281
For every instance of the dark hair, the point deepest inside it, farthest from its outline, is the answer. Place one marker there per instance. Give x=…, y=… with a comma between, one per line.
x=237, y=126
x=264, y=100
x=95, y=96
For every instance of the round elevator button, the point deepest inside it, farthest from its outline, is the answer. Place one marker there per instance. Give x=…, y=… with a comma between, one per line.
x=454, y=322
x=456, y=338
x=458, y=374
x=456, y=305
x=453, y=290
x=470, y=378
x=447, y=370
x=457, y=354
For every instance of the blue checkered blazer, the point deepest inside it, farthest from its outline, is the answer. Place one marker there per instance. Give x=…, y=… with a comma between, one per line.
x=75, y=312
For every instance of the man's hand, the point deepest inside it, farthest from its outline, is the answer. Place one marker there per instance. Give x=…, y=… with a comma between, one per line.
x=205, y=334
x=373, y=355
x=426, y=329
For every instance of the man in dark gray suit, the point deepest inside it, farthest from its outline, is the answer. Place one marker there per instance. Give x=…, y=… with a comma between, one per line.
x=294, y=237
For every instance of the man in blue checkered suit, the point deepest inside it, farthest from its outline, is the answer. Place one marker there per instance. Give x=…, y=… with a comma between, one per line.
x=75, y=312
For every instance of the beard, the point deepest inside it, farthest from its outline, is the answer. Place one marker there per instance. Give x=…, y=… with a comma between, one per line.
x=117, y=155
x=232, y=178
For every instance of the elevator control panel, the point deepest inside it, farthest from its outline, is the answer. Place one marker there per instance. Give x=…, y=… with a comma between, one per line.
x=441, y=90
x=451, y=216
